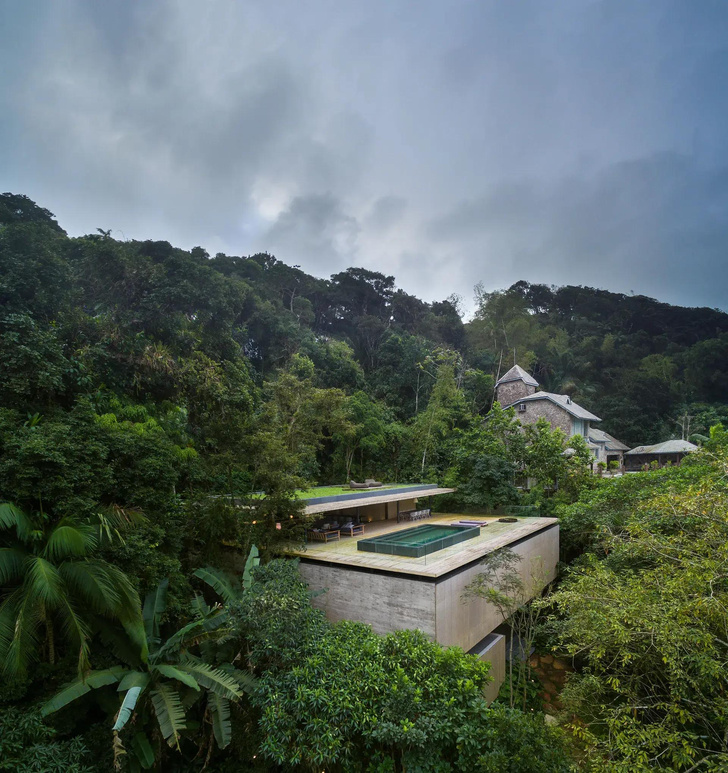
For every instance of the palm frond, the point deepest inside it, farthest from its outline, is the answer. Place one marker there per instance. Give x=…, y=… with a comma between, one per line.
x=121, y=645
x=43, y=581
x=219, y=582
x=127, y=707
x=91, y=582
x=169, y=712
x=11, y=565
x=19, y=621
x=220, y=711
x=75, y=690
x=77, y=630
x=68, y=540
x=171, y=672
x=12, y=517
x=214, y=679
x=154, y=606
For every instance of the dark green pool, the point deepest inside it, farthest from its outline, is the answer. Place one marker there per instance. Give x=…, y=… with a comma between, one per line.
x=418, y=541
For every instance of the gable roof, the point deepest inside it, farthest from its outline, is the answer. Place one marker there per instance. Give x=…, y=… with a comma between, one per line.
x=611, y=443
x=668, y=447
x=517, y=373
x=563, y=401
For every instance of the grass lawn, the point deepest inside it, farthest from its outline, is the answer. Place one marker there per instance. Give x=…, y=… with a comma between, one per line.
x=333, y=491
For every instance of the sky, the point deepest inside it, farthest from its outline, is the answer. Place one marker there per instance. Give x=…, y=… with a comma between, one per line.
x=447, y=143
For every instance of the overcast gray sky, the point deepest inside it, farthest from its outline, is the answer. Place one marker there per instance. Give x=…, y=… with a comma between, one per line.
x=447, y=143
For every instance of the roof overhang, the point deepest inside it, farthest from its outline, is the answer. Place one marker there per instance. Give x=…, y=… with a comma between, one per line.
x=359, y=500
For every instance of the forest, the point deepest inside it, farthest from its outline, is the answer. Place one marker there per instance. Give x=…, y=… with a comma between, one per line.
x=161, y=408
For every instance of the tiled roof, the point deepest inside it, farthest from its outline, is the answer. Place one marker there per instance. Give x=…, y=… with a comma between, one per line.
x=517, y=373
x=668, y=447
x=563, y=401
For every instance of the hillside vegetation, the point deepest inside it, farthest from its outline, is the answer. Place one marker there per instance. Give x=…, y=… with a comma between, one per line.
x=161, y=411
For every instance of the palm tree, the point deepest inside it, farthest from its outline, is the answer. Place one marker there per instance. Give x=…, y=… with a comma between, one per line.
x=165, y=678
x=50, y=583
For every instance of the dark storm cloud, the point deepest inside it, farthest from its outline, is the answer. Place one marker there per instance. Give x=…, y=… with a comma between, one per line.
x=447, y=143
x=657, y=225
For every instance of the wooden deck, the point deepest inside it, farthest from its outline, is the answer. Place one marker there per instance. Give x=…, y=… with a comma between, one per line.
x=495, y=535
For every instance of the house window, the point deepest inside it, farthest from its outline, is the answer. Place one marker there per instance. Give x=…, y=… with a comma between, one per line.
x=522, y=407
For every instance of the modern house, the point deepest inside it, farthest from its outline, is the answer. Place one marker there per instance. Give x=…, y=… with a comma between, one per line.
x=519, y=390
x=669, y=452
x=395, y=574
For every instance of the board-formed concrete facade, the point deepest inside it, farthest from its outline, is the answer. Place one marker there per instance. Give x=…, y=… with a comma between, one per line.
x=392, y=601
x=394, y=593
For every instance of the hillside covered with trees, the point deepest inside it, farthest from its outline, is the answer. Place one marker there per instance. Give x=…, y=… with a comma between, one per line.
x=159, y=410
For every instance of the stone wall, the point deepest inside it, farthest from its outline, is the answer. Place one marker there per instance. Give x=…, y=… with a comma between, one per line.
x=554, y=414
x=508, y=393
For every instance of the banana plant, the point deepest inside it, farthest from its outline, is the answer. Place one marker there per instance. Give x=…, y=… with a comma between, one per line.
x=221, y=584
x=166, y=680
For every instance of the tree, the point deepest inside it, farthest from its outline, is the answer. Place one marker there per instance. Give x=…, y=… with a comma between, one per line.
x=164, y=678
x=643, y=613
x=446, y=408
x=392, y=703
x=363, y=431
x=502, y=584
x=53, y=585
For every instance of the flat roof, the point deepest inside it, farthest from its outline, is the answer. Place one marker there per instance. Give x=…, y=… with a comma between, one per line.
x=372, y=497
x=345, y=553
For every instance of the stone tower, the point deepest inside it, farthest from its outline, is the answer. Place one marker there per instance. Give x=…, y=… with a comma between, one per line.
x=514, y=385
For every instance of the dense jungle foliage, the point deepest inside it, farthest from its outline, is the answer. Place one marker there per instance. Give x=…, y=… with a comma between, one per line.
x=149, y=396
x=643, y=610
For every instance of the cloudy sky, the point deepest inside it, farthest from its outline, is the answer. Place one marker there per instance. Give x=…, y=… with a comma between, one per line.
x=447, y=143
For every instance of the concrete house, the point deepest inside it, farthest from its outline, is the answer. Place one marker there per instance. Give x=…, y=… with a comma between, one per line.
x=380, y=574
x=520, y=390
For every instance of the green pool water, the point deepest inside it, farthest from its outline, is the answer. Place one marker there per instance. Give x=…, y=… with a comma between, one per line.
x=418, y=541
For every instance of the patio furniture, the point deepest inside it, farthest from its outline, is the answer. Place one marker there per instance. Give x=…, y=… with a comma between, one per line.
x=352, y=530
x=354, y=484
x=371, y=483
x=323, y=535
x=414, y=515
x=473, y=523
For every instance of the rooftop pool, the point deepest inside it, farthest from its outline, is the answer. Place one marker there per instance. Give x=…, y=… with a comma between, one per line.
x=418, y=541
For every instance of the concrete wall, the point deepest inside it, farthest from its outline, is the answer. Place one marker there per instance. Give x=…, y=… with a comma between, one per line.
x=536, y=409
x=465, y=623
x=391, y=602
x=494, y=653
x=386, y=602
x=511, y=391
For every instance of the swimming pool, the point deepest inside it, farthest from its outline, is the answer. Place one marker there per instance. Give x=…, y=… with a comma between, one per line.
x=418, y=541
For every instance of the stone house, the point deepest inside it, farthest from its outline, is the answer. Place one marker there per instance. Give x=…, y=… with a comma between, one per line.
x=519, y=390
